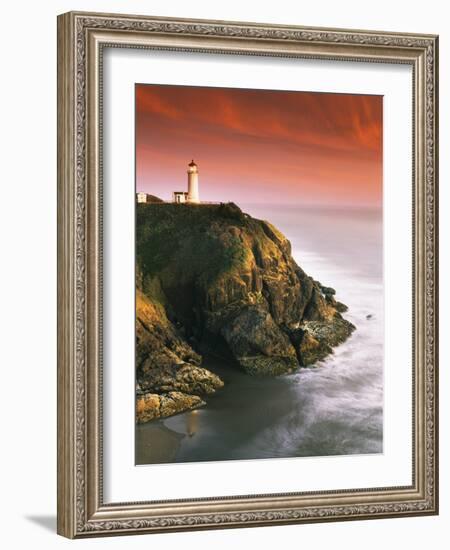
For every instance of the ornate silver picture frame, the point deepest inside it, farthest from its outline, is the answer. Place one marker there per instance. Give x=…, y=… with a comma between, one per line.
x=82, y=41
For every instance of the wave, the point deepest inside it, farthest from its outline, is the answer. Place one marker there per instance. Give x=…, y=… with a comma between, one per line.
x=337, y=406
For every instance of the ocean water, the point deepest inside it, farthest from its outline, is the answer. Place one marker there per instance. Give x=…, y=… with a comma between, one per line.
x=335, y=408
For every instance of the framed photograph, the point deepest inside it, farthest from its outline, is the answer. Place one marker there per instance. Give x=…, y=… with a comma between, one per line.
x=247, y=288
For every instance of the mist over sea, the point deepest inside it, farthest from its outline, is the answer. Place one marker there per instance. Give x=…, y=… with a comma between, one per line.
x=334, y=408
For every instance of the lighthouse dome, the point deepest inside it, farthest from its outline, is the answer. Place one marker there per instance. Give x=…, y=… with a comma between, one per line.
x=192, y=168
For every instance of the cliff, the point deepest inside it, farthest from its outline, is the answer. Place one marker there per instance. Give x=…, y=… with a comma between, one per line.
x=168, y=373
x=213, y=279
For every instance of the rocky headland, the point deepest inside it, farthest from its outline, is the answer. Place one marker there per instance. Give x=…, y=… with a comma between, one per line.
x=212, y=280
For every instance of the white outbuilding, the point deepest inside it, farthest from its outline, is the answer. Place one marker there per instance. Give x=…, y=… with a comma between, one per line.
x=141, y=197
x=180, y=196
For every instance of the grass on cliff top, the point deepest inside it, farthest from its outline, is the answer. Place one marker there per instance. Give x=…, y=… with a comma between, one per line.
x=188, y=241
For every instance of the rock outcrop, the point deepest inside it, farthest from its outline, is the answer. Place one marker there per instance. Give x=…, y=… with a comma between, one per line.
x=153, y=405
x=168, y=376
x=215, y=280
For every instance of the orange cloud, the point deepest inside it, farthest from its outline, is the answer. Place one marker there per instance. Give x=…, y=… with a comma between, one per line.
x=299, y=143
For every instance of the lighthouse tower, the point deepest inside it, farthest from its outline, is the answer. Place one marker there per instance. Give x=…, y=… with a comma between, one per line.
x=193, y=183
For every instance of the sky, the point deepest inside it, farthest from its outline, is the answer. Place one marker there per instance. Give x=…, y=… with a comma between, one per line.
x=260, y=146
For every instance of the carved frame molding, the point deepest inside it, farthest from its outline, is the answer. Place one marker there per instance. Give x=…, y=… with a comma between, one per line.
x=81, y=39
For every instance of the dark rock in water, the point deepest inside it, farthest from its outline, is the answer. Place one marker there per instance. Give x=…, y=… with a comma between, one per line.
x=317, y=338
x=342, y=308
x=151, y=405
x=329, y=294
x=312, y=349
x=214, y=278
x=326, y=290
x=258, y=343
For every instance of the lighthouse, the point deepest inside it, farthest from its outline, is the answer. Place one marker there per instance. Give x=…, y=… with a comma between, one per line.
x=192, y=172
